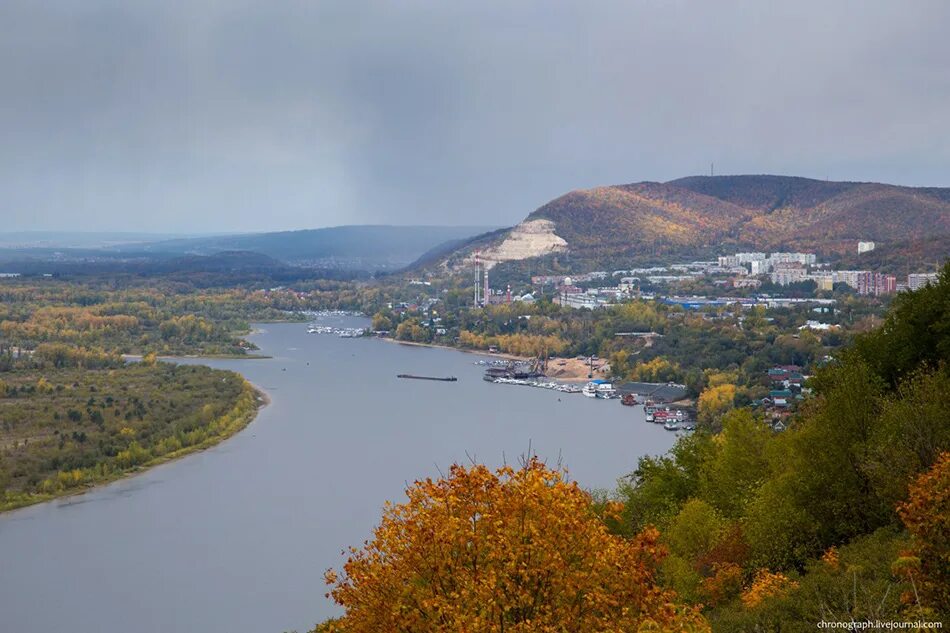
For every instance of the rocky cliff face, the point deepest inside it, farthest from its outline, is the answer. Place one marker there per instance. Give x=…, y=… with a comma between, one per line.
x=531, y=238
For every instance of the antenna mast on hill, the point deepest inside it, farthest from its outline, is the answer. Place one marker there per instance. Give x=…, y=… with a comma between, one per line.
x=478, y=280
x=712, y=169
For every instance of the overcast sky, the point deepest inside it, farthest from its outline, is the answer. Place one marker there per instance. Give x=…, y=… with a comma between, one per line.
x=207, y=115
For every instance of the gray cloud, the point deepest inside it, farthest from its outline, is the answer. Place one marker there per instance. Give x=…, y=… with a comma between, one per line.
x=211, y=115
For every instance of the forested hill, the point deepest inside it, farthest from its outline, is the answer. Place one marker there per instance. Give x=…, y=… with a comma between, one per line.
x=707, y=215
x=763, y=212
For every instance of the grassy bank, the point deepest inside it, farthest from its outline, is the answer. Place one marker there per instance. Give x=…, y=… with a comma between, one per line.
x=53, y=447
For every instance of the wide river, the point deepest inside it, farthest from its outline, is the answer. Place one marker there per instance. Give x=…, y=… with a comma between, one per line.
x=236, y=539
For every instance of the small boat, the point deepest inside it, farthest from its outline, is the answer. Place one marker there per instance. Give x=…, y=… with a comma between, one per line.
x=628, y=399
x=439, y=378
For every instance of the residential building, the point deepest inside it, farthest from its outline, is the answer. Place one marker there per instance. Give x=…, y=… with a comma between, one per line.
x=746, y=283
x=748, y=258
x=780, y=397
x=789, y=274
x=915, y=281
x=806, y=259
x=728, y=260
x=849, y=277
x=876, y=284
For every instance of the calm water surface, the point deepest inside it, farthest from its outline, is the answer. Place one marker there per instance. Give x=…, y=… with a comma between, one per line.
x=236, y=539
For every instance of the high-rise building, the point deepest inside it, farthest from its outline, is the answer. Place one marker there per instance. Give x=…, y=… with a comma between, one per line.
x=788, y=274
x=806, y=259
x=876, y=284
x=916, y=281
x=747, y=258
x=849, y=277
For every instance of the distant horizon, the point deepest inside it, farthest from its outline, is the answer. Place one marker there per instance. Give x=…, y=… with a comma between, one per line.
x=184, y=233
x=223, y=233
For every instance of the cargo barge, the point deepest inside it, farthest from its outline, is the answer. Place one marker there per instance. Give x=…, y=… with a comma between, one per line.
x=438, y=378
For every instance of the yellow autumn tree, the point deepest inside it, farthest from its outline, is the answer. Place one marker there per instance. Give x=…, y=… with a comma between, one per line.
x=714, y=402
x=514, y=550
x=658, y=369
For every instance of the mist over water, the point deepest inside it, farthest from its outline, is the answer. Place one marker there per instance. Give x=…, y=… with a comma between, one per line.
x=237, y=538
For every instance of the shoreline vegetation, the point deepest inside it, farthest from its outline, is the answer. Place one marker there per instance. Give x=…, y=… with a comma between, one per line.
x=80, y=481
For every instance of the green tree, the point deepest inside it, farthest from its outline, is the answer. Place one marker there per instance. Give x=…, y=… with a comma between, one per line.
x=739, y=464
x=659, y=487
x=916, y=332
x=694, y=530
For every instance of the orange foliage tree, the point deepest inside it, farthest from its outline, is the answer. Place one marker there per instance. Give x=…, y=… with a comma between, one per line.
x=767, y=584
x=514, y=550
x=926, y=513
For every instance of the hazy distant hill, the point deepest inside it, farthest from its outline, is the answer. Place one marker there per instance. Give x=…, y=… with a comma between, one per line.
x=226, y=268
x=718, y=214
x=77, y=239
x=362, y=247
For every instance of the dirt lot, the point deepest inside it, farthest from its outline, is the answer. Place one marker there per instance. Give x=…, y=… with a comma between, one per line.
x=576, y=370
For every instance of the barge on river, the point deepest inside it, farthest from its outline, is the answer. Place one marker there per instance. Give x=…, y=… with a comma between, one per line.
x=438, y=378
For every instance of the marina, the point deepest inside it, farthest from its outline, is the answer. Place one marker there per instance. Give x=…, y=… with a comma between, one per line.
x=342, y=332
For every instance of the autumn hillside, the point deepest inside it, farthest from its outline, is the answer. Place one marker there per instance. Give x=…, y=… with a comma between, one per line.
x=763, y=212
x=702, y=214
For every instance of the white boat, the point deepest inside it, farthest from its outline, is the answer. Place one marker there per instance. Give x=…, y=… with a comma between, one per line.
x=600, y=389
